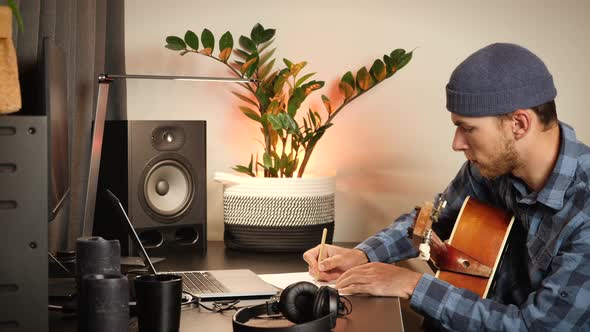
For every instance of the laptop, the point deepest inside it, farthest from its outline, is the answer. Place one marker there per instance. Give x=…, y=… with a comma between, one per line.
x=206, y=285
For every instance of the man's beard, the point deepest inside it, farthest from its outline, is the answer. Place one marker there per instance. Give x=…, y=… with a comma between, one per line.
x=502, y=162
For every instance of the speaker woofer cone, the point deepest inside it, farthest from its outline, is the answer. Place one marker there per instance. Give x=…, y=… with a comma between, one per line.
x=168, y=188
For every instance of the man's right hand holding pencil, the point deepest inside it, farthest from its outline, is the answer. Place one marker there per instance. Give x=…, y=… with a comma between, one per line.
x=337, y=260
x=355, y=275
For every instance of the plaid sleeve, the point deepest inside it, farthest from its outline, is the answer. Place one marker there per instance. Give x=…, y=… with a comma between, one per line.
x=561, y=303
x=392, y=244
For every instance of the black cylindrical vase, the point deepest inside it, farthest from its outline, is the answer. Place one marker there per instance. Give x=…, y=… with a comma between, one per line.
x=104, y=303
x=96, y=255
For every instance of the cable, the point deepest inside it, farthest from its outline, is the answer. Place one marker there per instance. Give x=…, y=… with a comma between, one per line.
x=218, y=306
x=58, y=262
x=65, y=309
x=346, y=304
x=188, y=298
x=221, y=307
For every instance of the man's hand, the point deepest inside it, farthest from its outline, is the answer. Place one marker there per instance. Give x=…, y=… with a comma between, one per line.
x=337, y=261
x=378, y=279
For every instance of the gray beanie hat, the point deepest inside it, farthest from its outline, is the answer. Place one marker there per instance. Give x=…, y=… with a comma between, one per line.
x=499, y=79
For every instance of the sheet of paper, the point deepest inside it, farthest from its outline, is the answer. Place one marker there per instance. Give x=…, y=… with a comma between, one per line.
x=282, y=280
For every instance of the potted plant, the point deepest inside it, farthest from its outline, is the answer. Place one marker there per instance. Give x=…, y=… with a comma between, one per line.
x=289, y=136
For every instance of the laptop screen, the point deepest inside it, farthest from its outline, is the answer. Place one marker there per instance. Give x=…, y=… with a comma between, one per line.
x=132, y=233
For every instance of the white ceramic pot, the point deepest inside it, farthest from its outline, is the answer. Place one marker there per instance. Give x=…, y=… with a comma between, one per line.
x=276, y=214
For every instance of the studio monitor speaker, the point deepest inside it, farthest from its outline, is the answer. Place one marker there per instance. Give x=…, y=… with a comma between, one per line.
x=157, y=169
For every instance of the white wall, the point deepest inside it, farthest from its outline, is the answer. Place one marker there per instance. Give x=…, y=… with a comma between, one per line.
x=391, y=148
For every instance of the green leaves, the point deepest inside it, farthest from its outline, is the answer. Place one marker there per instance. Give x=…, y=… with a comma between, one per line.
x=250, y=113
x=283, y=165
x=378, y=70
x=208, y=42
x=266, y=69
x=244, y=98
x=288, y=63
x=250, y=65
x=397, y=54
x=247, y=44
x=267, y=160
x=348, y=79
x=327, y=104
x=274, y=100
x=283, y=121
x=242, y=54
x=364, y=81
x=275, y=122
x=226, y=44
x=175, y=43
x=303, y=79
x=296, y=68
x=245, y=169
x=226, y=41
x=404, y=60
x=191, y=39
x=299, y=95
x=281, y=79
x=347, y=85
x=256, y=33
x=396, y=60
x=266, y=56
x=260, y=35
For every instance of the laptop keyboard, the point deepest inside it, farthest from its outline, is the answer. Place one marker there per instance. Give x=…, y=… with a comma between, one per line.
x=197, y=283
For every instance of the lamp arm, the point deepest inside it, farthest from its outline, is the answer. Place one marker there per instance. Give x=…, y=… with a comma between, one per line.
x=95, y=153
x=177, y=78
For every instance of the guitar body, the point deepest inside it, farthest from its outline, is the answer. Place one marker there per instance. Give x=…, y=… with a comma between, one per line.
x=481, y=231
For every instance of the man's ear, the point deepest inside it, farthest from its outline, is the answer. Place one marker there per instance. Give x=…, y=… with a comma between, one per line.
x=521, y=121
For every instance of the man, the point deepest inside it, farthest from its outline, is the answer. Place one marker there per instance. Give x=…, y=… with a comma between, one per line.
x=520, y=158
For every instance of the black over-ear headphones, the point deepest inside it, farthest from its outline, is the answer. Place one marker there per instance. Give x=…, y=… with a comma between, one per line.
x=314, y=308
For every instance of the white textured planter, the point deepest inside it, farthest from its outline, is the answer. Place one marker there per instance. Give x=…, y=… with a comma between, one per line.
x=276, y=214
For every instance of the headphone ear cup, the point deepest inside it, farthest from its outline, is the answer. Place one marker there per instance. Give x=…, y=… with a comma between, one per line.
x=320, y=303
x=326, y=303
x=297, y=302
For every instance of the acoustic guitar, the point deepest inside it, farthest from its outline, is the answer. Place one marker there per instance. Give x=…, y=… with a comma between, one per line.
x=470, y=257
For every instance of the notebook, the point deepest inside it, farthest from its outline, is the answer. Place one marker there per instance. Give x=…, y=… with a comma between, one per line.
x=206, y=285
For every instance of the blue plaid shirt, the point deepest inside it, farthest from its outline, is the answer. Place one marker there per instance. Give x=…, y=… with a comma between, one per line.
x=554, y=270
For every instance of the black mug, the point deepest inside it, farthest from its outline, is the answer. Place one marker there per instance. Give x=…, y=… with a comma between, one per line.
x=158, y=300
